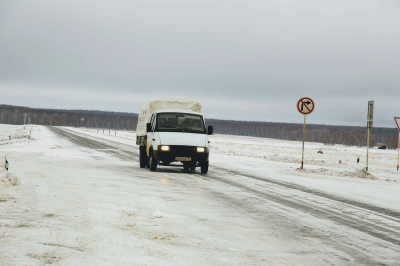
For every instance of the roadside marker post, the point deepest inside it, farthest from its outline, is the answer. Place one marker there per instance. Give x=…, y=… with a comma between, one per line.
x=305, y=106
x=369, y=125
x=6, y=163
x=397, y=120
x=82, y=119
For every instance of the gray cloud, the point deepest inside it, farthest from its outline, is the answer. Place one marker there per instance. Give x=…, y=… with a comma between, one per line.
x=248, y=60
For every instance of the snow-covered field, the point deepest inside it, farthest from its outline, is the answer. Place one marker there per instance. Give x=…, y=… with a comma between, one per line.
x=78, y=197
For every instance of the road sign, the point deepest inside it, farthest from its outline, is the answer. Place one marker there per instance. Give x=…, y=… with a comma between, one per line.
x=370, y=115
x=397, y=120
x=305, y=105
x=370, y=110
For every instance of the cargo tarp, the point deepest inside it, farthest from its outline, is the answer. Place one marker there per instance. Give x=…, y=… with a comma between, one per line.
x=164, y=104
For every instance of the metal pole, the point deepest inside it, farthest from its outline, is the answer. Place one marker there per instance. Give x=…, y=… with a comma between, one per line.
x=304, y=133
x=398, y=152
x=366, y=168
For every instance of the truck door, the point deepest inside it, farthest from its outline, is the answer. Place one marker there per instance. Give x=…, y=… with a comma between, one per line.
x=150, y=135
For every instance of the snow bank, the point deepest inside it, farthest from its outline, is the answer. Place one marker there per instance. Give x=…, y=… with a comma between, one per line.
x=360, y=173
x=8, y=179
x=157, y=214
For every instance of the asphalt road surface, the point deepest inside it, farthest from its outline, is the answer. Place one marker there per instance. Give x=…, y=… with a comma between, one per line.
x=336, y=229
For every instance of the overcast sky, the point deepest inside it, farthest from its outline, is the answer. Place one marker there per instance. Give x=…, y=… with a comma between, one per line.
x=241, y=59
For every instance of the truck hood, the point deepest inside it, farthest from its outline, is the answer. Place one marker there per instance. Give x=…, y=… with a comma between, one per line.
x=182, y=138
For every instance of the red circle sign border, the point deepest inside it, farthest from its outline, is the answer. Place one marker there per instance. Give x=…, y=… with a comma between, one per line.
x=305, y=105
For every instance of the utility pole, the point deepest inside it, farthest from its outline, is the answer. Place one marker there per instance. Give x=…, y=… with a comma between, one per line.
x=398, y=152
x=397, y=120
x=369, y=125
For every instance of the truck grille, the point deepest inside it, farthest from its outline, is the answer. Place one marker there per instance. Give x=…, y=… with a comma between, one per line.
x=183, y=149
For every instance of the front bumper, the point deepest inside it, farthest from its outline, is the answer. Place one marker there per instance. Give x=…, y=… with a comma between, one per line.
x=181, y=151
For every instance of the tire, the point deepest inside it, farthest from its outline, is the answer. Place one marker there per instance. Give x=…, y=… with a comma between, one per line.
x=152, y=163
x=204, y=167
x=143, y=157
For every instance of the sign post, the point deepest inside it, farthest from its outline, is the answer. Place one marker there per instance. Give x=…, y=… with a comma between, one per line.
x=305, y=106
x=24, y=118
x=369, y=125
x=82, y=119
x=397, y=120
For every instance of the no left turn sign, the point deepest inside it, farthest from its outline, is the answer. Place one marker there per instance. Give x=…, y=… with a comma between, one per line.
x=305, y=105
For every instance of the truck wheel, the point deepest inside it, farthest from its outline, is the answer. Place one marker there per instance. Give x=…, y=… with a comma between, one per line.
x=204, y=167
x=152, y=163
x=143, y=157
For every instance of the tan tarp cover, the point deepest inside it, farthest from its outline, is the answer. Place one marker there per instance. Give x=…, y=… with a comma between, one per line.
x=164, y=104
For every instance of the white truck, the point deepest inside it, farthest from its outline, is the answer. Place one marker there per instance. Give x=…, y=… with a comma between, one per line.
x=173, y=130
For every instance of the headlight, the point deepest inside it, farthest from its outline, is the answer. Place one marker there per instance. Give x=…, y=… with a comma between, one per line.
x=165, y=148
x=201, y=149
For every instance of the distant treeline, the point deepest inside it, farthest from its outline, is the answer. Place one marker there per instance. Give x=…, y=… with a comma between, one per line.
x=78, y=111
x=56, y=117
x=346, y=135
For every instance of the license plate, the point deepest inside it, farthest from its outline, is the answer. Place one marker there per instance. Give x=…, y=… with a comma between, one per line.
x=185, y=159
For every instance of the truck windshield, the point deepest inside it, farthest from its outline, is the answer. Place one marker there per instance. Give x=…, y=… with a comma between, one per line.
x=180, y=122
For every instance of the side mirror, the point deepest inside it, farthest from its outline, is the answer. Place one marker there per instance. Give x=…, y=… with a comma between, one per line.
x=148, y=127
x=210, y=130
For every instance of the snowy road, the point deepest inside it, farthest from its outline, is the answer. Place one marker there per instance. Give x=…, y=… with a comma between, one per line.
x=245, y=211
